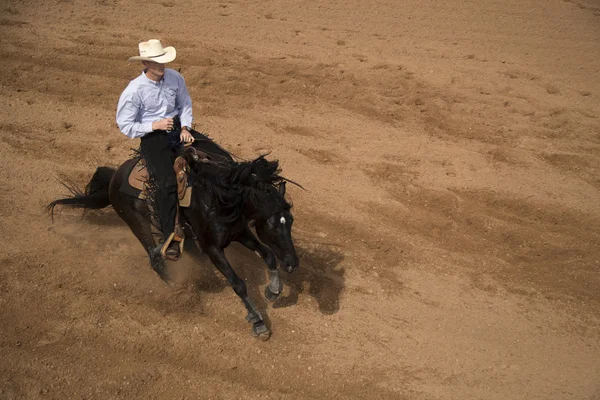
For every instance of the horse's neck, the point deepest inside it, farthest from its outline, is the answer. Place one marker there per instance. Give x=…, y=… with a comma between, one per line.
x=255, y=209
x=254, y=205
x=250, y=210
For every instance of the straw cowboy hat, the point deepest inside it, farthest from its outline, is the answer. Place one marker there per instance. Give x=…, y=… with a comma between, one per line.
x=152, y=50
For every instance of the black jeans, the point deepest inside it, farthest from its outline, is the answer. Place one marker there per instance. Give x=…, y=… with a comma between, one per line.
x=159, y=155
x=159, y=149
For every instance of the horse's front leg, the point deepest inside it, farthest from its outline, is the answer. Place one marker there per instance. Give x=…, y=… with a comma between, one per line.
x=275, y=287
x=259, y=329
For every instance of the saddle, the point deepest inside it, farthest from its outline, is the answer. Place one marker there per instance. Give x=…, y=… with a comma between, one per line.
x=138, y=179
x=136, y=184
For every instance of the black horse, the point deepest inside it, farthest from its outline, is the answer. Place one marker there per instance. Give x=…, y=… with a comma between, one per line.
x=227, y=197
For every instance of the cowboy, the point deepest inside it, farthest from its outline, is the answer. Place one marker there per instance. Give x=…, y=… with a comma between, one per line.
x=157, y=108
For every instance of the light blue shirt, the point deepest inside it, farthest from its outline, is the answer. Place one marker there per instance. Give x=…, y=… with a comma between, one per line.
x=145, y=101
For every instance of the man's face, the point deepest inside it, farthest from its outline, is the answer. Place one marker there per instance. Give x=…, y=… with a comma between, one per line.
x=154, y=70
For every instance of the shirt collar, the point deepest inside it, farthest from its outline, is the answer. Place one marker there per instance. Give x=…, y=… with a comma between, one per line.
x=150, y=80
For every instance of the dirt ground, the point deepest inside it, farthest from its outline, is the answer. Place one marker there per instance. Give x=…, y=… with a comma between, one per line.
x=449, y=235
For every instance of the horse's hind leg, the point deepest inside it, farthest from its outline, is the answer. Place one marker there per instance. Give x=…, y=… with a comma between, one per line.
x=259, y=329
x=275, y=287
x=135, y=213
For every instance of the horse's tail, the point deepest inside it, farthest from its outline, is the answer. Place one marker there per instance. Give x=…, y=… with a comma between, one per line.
x=95, y=195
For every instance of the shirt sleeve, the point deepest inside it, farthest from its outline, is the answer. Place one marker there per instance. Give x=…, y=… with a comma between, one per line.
x=184, y=103
x=127, y=111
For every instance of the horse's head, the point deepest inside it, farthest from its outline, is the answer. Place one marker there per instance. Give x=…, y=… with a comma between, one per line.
x=254, y=190
x=274, y=229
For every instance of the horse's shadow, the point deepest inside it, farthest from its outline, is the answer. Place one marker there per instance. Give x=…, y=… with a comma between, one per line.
x=319, y=275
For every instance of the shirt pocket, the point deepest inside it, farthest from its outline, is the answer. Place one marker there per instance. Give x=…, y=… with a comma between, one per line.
x=170, y=98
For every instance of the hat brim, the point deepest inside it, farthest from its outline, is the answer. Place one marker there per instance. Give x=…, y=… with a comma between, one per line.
x=167, y=57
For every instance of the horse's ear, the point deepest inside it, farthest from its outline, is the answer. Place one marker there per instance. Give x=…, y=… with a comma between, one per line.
x=282, y=188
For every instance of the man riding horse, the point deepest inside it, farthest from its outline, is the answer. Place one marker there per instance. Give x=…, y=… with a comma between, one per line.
x=157, y=108
x=226, y=196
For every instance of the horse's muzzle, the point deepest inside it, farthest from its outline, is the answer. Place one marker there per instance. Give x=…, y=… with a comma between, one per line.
x=290, y=263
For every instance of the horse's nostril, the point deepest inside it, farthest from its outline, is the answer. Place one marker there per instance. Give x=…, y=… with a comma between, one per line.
x=290, y=260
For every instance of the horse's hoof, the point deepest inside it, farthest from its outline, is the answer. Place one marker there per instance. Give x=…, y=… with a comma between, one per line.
x=269, y=295
x=260, y=330
x=159, y=266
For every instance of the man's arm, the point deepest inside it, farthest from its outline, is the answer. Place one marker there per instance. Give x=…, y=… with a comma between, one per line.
x=127, y=110
x=184, y=103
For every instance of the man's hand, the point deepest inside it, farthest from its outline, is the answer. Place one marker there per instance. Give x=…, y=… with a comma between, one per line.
x=163, y=125
x=186, y=136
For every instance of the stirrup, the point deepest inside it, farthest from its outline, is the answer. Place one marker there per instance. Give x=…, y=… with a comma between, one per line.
x=169, y=252
x=172, y=253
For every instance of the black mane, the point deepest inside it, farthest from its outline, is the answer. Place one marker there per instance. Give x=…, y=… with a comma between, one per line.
x=232, y=186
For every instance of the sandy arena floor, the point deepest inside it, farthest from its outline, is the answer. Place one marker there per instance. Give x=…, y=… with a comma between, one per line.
x=449, y=235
